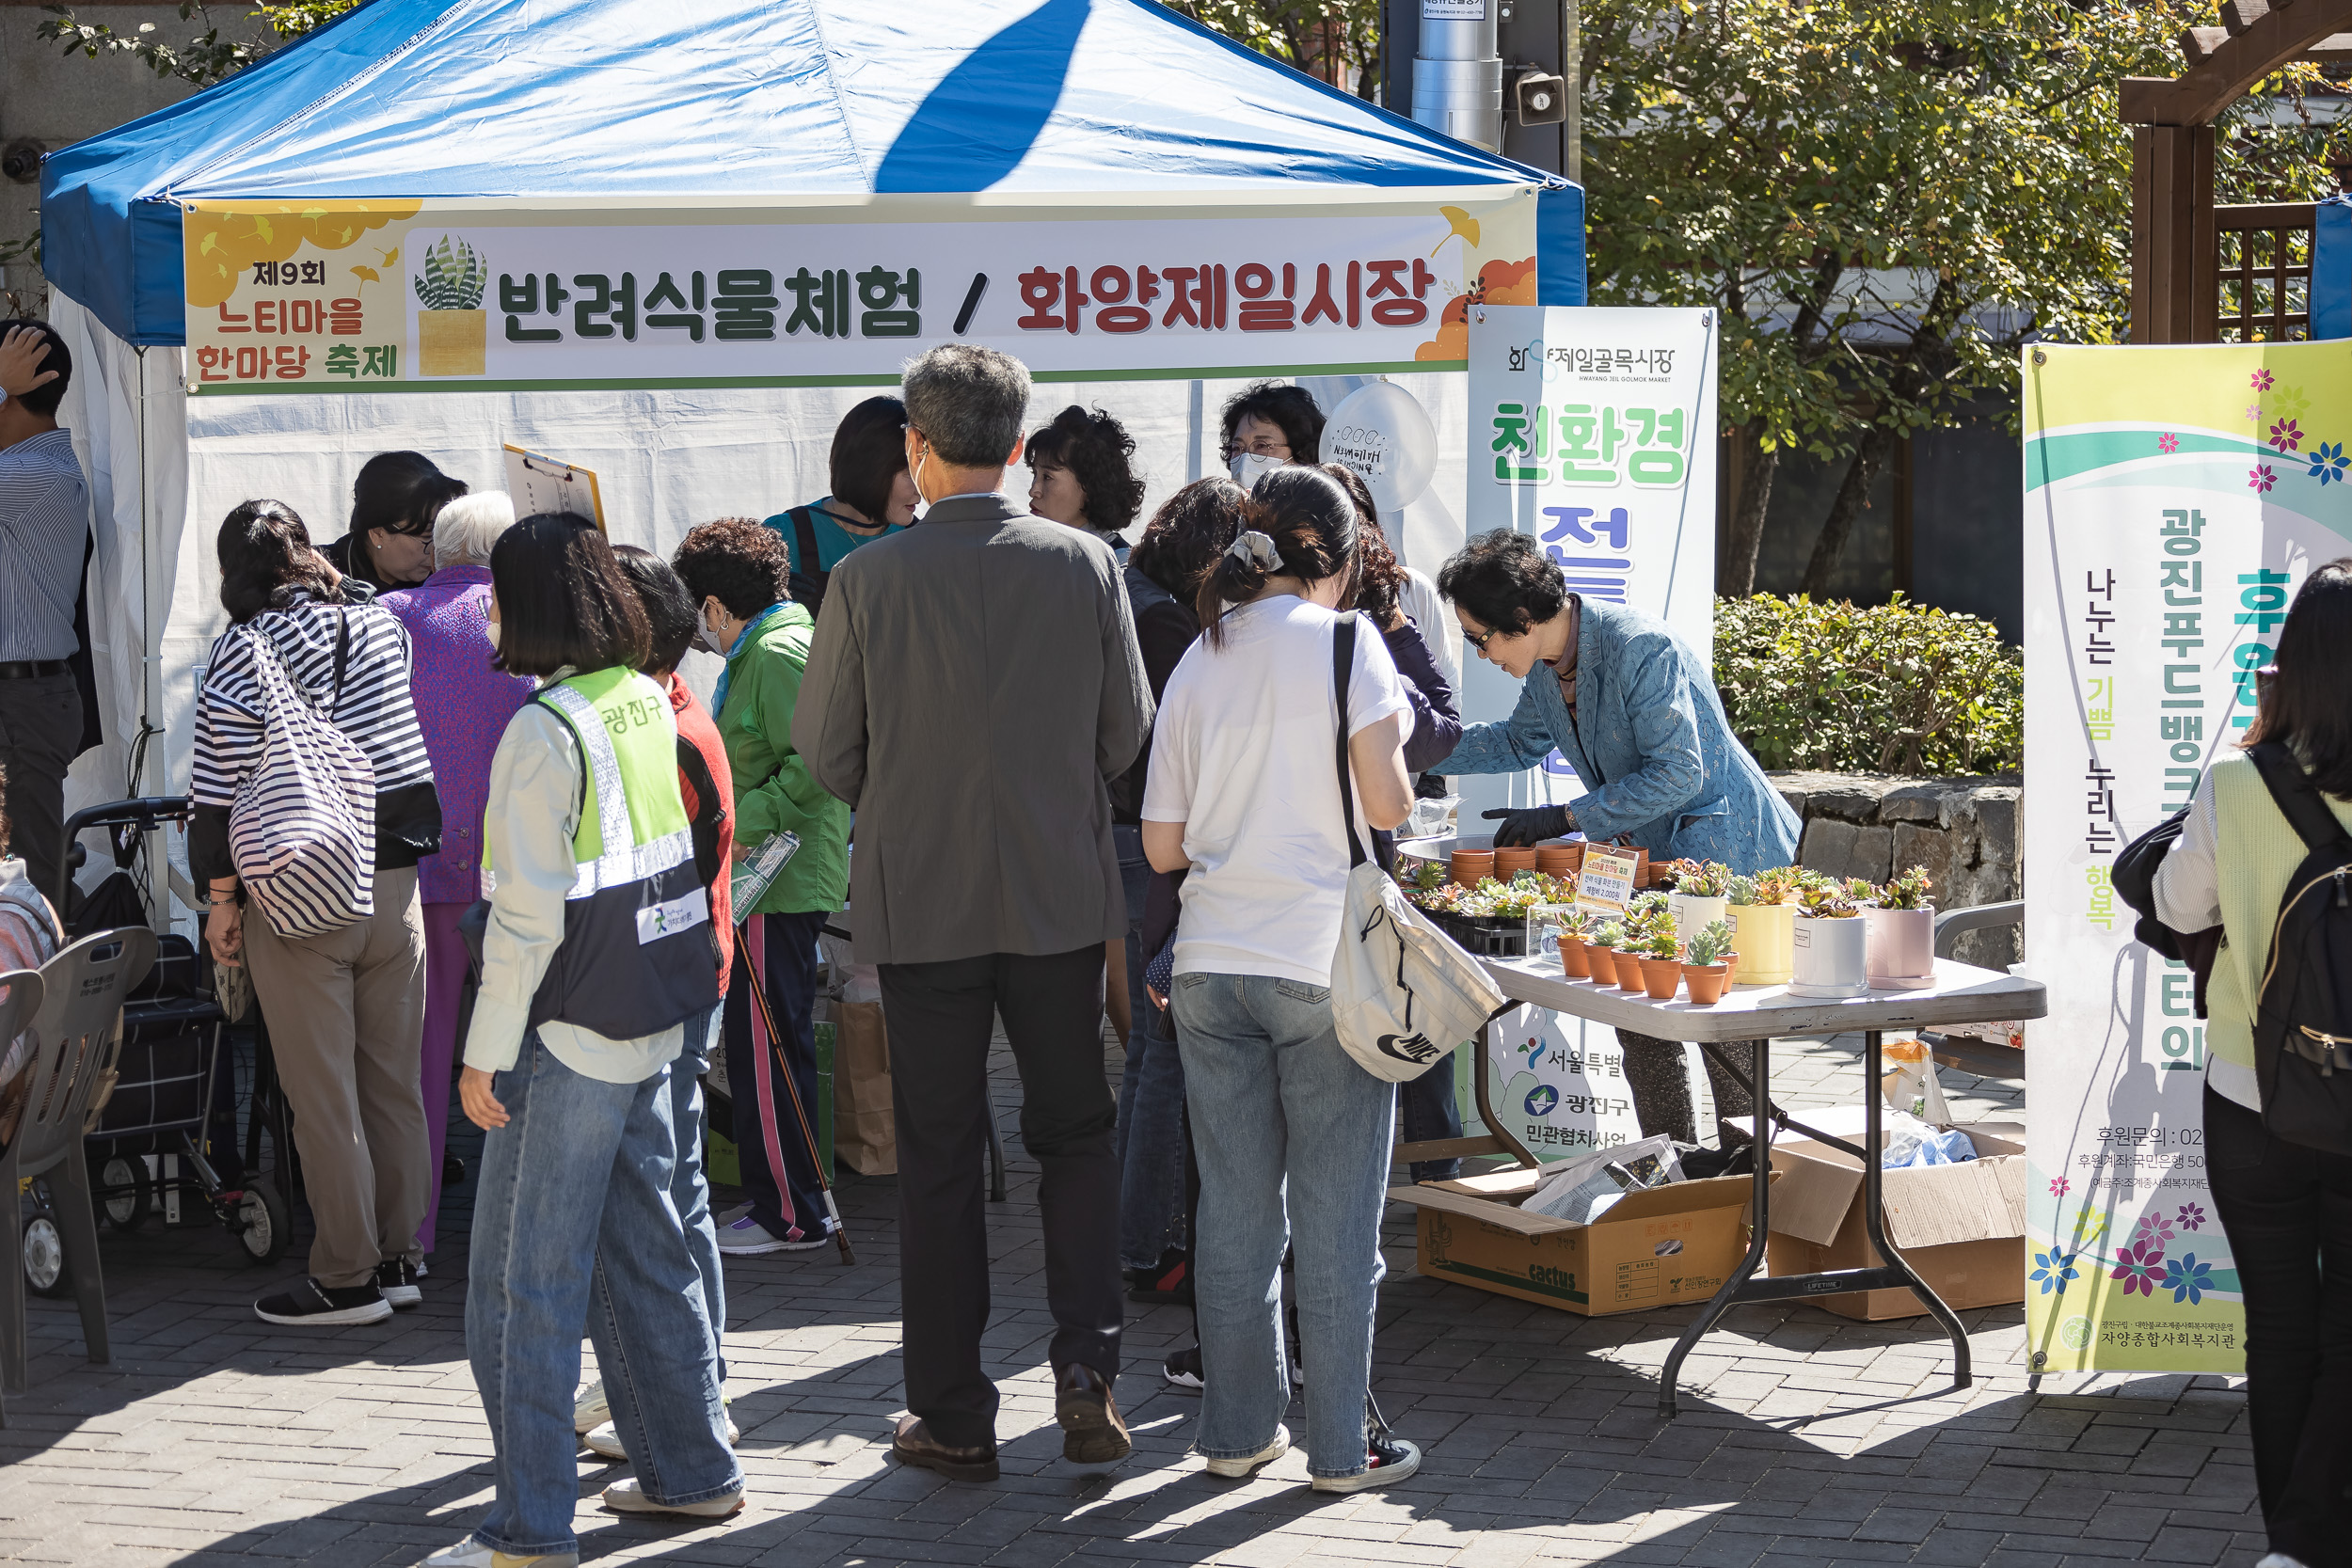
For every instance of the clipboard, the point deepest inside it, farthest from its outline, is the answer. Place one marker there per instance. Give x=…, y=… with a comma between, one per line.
x=541, y=483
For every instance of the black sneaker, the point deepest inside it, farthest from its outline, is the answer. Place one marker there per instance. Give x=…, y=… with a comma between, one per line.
x=1182, y=1370
x=1388, y=1459
x=1168, y=1280
x=397, y=1278
x=314, y=1303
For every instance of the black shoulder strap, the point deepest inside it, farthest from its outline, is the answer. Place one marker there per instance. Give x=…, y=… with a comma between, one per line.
x=343, y=658
x=2291, y=790
x=805, y=541
x=706, y=821
x=1344, y=665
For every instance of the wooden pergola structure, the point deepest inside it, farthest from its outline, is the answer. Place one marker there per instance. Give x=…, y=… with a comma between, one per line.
x=2203, y=273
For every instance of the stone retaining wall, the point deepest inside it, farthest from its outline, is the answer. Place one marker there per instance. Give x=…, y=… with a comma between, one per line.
x=1964, y=830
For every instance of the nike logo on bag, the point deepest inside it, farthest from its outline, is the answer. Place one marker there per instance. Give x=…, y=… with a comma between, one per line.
x=1408, y=1048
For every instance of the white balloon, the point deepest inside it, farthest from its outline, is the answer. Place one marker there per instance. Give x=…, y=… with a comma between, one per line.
x=1379, y=431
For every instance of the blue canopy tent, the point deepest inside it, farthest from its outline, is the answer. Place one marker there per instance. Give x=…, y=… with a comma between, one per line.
x=589, y=106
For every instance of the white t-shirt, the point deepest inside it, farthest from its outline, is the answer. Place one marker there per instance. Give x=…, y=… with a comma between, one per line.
x=1242, y=754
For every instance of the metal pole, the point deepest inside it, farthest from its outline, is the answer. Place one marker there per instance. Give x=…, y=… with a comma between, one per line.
x=1572, y=90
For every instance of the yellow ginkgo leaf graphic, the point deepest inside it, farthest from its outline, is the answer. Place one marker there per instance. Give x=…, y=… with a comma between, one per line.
x=392, y=258
x=261, y=226
x=366, y=274
x=1459, y=223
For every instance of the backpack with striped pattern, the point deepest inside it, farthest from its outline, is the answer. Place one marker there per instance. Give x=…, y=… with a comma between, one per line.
x=302, y=827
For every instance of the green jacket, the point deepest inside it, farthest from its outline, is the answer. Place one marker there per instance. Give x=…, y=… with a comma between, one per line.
x=774, y=792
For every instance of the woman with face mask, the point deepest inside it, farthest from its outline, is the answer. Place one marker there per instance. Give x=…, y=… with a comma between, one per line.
x=1267, y=425
x=736, y=571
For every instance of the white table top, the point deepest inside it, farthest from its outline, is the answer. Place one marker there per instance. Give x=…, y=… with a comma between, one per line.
x=1962, y=993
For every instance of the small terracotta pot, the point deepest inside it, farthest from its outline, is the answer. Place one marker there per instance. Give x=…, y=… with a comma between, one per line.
x=1630, y=971
x=1469, y=866
x=1601, y=962
x=1573, y=961
x=1662, y=976
x=1510, y=863
x=1706, y=981
x=1559, y=860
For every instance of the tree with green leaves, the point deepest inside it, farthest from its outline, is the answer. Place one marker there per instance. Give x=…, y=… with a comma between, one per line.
x=204, y=60
x=1336, y=39
x=1884, y=200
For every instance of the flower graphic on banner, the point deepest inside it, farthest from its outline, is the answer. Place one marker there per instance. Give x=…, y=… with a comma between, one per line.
x=2261, y=477
x=2053, y=1269
x=2167, y=442
x=2259, y=381
x=2192, y=1217
x=2138, y=1267
x=2254, y=411
x=2329, y=463
x=2291, y=401
x=2154, y=1230
x=2187, y=1278
x=2286, y=436
x=2059, y=1186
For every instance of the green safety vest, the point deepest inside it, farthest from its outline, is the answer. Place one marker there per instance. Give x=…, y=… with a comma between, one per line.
x=638, y=952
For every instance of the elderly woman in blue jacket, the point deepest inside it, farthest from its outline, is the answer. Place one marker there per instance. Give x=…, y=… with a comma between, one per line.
x=1633, y=709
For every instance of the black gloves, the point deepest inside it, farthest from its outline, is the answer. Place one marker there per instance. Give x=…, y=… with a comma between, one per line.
x=1522, y=827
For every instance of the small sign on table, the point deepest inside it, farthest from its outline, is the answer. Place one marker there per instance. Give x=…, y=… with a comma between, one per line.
x=1606, y=883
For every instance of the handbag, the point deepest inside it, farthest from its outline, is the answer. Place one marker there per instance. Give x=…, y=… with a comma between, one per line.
x=1404, y=994
x=302, y=824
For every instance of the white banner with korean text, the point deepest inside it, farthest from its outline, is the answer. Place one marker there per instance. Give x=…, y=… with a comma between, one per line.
x=2175, y=497
x=479, y=294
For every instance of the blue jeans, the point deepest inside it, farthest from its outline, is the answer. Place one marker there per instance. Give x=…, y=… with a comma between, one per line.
x=573, y=1226
x=1287, y=1129
x=690, y=1183
x=1151, y=1094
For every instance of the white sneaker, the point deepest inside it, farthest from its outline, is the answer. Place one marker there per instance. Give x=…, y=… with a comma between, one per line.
x=747, y=1237
x=470, y=1553
x=1251, y=1462
x=626, y=1497
x=591, y=1410
x=605, y=1441
x=728, y=1216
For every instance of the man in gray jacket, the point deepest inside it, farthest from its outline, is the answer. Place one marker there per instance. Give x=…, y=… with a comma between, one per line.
x=974, y=688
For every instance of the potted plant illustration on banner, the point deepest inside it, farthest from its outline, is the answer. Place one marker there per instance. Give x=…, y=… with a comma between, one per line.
x=453, y=329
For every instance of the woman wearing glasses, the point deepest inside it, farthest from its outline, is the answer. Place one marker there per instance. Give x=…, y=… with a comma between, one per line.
x=1633, y=709
x=393, y=504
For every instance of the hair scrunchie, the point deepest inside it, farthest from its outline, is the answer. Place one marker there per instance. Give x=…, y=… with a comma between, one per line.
x=1257, y=549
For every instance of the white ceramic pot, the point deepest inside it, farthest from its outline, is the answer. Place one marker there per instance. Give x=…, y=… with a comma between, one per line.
x=1901, y=948
x=1831, y=957
x=1692, y=912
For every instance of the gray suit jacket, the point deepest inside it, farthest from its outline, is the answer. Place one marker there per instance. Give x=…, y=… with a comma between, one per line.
x=974, y=689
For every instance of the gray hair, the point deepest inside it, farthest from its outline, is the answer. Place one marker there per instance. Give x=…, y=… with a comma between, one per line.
x=464, y=530
x=968, y=401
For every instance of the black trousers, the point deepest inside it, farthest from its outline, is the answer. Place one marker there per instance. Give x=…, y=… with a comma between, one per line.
x=1661, y=1090
x=779, y=1175
x=940, y=1017
x=2287, y=1210
x=40, y=727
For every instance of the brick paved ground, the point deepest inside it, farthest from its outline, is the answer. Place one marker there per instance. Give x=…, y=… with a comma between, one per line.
x=1808, y=1440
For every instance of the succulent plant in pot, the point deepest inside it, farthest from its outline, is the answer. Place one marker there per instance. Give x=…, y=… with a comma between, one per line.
x=1763, y=926
x=1573, y=926
x=1700, y=894
x=1706, y=961
x=1660, y=952
x=1600, y=949
x=1829, y=937
x=1900, y=945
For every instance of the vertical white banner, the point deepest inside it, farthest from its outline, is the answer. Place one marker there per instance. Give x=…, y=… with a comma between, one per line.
x=1594, y=430
x=2175, y=497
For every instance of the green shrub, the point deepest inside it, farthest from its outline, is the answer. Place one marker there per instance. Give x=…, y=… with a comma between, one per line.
x=1895, y=688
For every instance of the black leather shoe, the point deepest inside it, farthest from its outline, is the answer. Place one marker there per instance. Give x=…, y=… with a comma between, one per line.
x=1092, y=1434
x=914, y=1445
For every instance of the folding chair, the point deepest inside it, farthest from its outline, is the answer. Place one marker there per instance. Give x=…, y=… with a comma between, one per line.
x=76, y=1034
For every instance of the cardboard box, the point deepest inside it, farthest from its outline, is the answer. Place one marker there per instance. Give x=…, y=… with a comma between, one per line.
x=1961, y=1227
x=1659, y=1247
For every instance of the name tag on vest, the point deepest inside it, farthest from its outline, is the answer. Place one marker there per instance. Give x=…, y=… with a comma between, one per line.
x=683, y=913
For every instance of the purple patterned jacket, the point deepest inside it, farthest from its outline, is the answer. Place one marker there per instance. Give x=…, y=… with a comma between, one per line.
x=463, y=705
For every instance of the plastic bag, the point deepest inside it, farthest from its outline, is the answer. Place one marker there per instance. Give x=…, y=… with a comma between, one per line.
x=1911, y=1143
x=1912, y=1085
x=1584, y=1189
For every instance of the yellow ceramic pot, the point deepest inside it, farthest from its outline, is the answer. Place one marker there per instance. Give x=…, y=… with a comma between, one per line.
x=1765, y=935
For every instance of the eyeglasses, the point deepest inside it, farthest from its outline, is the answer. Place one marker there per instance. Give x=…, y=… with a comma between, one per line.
x=1262, y=446
x=1478, y=639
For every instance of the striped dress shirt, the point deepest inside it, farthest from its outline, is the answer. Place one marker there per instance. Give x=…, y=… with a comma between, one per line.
x=45, y=521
